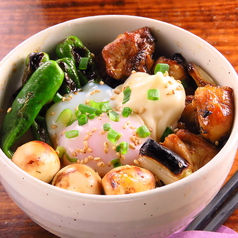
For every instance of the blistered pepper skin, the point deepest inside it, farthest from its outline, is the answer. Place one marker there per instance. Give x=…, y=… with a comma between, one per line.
x=69, y=48
x=71, y=81
x=38, y=91
x=32, y=62
x=73, y=48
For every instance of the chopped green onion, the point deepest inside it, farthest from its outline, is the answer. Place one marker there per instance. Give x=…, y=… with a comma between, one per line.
x=72, y=134
x=122, y=147
x=153, y=94
x=143, y=131
x=57, y=97
x=126, y=111
x=65, y=117
x=83, y=64
x=77, y=113
x=82, y=119
x=167, y=131
x=88, y=109
x=102, y=106
x=161, y=67
x=72, y=121
x=72, y=160
x=114, y=116
x=113, y=136
x=91, y=116
x=60, y=151
x=116, y=163
x=105, y=107
x=107, y=126
x=127, y=95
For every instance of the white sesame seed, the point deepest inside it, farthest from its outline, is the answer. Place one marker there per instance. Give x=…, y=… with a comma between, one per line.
x=97, y=158
x=117, y=91
x=136, y=162
x=100, y=164
x=89, y=150
x=53, y=126
x=132, y=146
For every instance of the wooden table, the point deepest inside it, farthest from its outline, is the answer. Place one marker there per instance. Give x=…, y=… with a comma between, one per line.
x=216, y=21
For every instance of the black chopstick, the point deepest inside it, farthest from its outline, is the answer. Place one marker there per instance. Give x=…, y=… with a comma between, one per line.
x=223, y=214
x=226, y=200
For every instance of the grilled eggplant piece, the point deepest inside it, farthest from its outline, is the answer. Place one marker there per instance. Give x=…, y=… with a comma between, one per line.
x=176, y=69
x=164, y=163
x=196, y=150
x=199, y=75
x=215, y=111
x=131, y=51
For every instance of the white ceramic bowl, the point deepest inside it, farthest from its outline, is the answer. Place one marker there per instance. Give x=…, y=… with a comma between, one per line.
x=156, y=213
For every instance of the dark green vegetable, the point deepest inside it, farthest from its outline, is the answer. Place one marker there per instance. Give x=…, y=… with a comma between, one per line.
x=73, y=48
x=71, y=81
x=38, y=90
x=32, y=62
x=40, y=131
x=116, y=163
x=167, y=131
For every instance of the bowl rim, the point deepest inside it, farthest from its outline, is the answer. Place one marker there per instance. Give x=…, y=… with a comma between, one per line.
x=231, y=142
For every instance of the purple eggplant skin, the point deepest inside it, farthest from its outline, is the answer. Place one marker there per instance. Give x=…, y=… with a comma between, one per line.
x=164, y=156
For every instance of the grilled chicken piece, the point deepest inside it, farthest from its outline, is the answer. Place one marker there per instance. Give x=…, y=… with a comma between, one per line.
x=176, y=69
x=214, y=107
x=195, y=149
x=188, y=116
x=131, y=51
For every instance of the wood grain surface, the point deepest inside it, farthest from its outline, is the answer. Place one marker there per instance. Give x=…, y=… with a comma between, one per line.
x=216, y=21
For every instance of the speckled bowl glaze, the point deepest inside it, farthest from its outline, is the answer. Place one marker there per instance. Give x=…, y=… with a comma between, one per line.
x=156, y=213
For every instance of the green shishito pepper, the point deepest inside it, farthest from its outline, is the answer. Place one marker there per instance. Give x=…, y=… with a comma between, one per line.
x=73, y=48
x=32, y=62
x=71, y=81
x=38, y=91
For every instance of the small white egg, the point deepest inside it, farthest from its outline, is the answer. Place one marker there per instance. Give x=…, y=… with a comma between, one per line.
x=128, y=179
x=37, y=159
x=78, y=178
